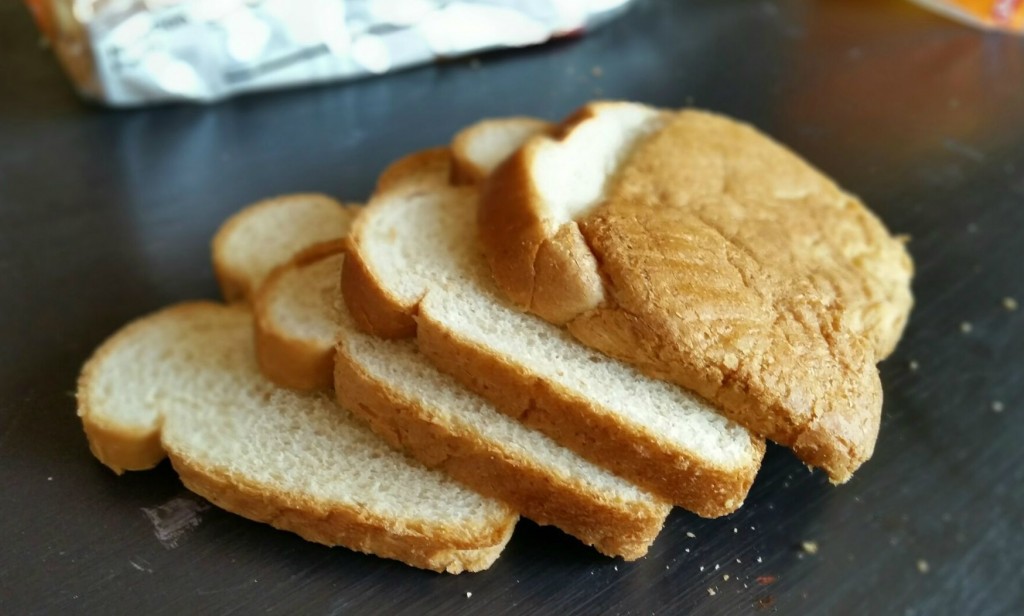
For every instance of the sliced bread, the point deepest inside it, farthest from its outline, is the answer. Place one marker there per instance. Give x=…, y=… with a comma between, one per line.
x=268, y=233
x=413, y=268
x=479, y=148
x=701, y=251
x=427, y=414
x=183, y=382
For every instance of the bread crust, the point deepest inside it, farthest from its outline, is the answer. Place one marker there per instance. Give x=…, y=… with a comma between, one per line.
x=688, y=299
x=614, y=529
x=451, y=550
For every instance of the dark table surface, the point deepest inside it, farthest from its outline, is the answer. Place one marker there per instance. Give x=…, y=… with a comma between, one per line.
x=106, y=215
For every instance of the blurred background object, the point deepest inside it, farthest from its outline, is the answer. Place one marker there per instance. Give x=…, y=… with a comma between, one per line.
x=133, y=52
x=997, y=14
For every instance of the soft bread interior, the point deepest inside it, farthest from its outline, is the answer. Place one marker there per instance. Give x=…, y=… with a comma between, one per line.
x=571, y=174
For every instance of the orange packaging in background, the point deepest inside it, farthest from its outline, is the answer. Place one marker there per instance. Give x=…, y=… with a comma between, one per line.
x=998, y=14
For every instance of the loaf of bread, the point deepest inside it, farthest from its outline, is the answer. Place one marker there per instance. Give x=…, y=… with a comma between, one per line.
x=704, y=253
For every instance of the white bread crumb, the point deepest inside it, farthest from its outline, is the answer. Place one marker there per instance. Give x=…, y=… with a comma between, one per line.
x=966, y=327
x=922, y=565
x=811, y=547
x=1010, y=304
x=998, y=406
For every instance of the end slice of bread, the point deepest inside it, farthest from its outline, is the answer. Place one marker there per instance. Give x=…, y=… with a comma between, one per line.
x=184, y=382
x=414, y=268
x=430, y=416
x=266, y=234
x=706, y=254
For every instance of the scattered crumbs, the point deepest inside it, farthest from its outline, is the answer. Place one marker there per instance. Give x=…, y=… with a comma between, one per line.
x=597, y=71
x=765, y=602
x=759, y=559
x=616, y=567
x=666, y=567
x=1010, y=304
x=475, y=63
x=752, y=528
x=468, y=594
x=725, y=578
x=766, y=580
x=745, y=585
x=691, y=535
x=702, y=567
x=913, y=365
x=716, y=567
x=735, y=530
x=922, y=565
x=997, y=406
x=966, y=327
x=711, y=591
x=49, y=478
x=739, y=561
x=687, y=550
x=811, y=547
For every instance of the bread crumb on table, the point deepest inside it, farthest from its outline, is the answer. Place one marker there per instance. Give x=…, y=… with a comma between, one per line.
x=1010, y=304
x=711, y=591
x=811, y=547
x=725, y=578
x=691, y=535
x=998, y=406
x=913, y=365
x=966, y=327
x=468, y=594
x=922, y=565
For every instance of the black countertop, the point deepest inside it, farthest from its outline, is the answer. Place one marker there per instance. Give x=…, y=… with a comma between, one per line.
x=106, y=215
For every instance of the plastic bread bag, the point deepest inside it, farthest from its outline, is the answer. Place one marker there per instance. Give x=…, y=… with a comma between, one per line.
x=134, y=52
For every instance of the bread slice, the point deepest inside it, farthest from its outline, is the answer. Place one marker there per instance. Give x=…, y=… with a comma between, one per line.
x=427, y=414
x=706, y=254
x=413, y=267
x=479, y=148
x=268, y=233
x=183, y=382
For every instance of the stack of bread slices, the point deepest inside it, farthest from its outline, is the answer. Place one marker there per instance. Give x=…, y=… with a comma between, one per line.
x=584, y=324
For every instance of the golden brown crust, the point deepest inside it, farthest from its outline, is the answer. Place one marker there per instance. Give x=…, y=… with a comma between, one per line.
x=374, y=309
x=730, y=267
x=119, y=449
x=640, y=457
x=614, y=529
x=343, y=526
